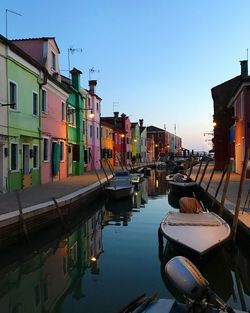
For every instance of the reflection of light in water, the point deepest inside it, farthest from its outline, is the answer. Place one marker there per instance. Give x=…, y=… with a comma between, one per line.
x=93, y=259
x=156, y=183
x=136, y=193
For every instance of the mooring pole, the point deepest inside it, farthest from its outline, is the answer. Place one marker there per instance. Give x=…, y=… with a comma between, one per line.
x=198, y=172
x=204, y=171
x=242, y=180
x=218, y=187
x=210, y=179
x=22, y=220
x=104, y=171
x=59, y=211
x=224, y=192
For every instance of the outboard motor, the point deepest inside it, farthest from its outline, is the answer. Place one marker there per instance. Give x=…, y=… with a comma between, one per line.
x=188, y=280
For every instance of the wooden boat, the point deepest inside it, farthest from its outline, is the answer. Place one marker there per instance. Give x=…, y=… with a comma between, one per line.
x=120, y=186
x=198, y=233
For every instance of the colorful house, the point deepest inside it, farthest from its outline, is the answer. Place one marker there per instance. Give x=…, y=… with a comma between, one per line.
x=107, y=144
x=3, y=117
x=25, y=77
x=135, y=141
x=53, y=96
x=225, y=118
x=143, y=141
x=93, y=127
x=75, y=103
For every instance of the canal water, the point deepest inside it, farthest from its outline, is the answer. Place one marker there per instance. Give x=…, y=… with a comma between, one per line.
x=108, y=257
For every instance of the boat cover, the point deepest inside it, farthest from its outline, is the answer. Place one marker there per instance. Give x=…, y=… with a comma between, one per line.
x=192, y=219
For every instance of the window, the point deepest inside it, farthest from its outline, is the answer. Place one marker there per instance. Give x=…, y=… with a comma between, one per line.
x=35, y=103
x=44, y=101
x=97, y=106
x=89, y=102
x=53, y=60
x=97, y=132
x=35, y=157
x=83, y=127
x=71, y=115
x=90, y=130
x=107, y=133
x=63, y=111
x=14, y=157
x=45, y=149
x=61, y=150
x=13, y=96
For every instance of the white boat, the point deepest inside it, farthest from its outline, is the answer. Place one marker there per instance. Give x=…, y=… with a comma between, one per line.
x=120, y=186
x=198, y=233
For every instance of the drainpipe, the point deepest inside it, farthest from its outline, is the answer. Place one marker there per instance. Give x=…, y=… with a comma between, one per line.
x=42, y=80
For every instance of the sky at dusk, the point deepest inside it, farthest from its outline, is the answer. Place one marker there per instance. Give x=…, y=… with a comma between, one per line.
x=155, y=60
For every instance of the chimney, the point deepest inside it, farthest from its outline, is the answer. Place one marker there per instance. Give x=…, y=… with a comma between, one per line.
x=92, y=86
x=75, y=77
x=244, y=68
x=141, y=123
x=116, y=114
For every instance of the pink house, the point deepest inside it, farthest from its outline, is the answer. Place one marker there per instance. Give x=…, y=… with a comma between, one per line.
x=93, y=127
x=52, y=100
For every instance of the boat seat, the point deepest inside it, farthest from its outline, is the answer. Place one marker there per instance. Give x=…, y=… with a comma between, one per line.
x=190, y=205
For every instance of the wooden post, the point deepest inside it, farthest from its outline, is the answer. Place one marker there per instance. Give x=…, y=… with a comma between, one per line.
x=204, y=171
x=104, y=171
x=198, y=172
x=110, y=166
x=211, y=176
x=223, y=198
x=218, y=187
x=22, y=220
x=59, y=211
x=242, y=179
x=190, y=170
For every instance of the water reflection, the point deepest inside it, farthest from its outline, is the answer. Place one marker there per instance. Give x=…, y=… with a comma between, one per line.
x=91, y=263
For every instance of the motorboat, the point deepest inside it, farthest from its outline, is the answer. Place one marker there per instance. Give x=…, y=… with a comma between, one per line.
x=182, y=186
x=136, y=178
x=120, y=186
x=176, y=176
x=199, y=296
x=195, y=233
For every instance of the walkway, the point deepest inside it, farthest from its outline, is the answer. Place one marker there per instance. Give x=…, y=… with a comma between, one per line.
x=232, y=191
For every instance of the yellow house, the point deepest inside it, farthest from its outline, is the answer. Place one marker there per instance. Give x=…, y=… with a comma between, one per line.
x=107, y=143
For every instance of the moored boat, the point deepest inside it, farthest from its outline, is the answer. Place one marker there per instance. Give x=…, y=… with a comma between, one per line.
x=195, y=233
x=120, y=186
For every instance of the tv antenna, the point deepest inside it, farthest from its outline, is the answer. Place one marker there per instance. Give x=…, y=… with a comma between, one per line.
x=6, y=19
x=92, y=70
x=115, y=104
x=72, y=50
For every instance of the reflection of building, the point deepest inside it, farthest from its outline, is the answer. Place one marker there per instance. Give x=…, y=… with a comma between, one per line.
x=93, y=228
x=157, y=184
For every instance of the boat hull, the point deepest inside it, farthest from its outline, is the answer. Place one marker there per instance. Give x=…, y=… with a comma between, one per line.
x=119, y=193
x=199, y=237
x=183, y=188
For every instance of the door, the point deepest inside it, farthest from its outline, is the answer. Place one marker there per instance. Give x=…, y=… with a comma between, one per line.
x=70, y=159
x=238, y=159
x=26, y=159
x=26, y=166
x=1, y=170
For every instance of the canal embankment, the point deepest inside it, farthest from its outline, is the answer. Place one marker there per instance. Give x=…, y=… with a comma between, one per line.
x=224, y=192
